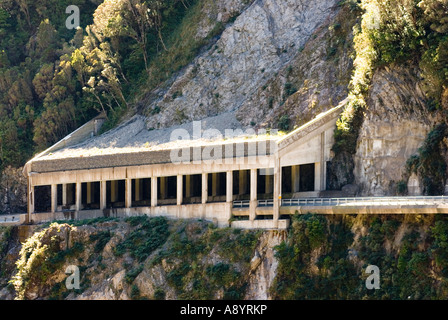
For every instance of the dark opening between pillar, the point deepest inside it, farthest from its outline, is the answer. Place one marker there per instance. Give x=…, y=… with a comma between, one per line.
x=90, y=195
x=265, y=183
x=59, y=195
x=71, y=195
x=217, y=187
x=115, y=193
x=241, y=184
x=306, y=177
x=287, y=182
x=167, y=190
x=141, y=192
x=42, y=196
x=192, y=189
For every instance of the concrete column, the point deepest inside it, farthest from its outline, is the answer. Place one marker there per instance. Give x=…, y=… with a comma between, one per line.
x=214, y=184
x=187, y=186
x=163, y=188
x=78, y=204
x=295, y=178
x=317, y=177
x=64, y=194
x=113, y=191
x=253, y=194
x=89, y=192
x=138, y=190
x=179, y=189
x=204, y=188
x=253, y=184
x=323, y=169
x=277, y=192
x=103, y=195
x=229, y=186
x=128, y=193
x=54, y=197
x=268, y=181
x=153, y=191
x=30, y=201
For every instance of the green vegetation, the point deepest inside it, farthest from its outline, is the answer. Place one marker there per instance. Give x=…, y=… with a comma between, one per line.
x=322, y=259
x=150, y=233
x=430, y=163
x=192, y=276
x=40, y=257
x=397, y=32
x=52, y=79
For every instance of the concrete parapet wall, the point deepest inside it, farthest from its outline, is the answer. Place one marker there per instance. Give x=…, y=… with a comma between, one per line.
x=386, y=209
x=218, y=213
x=261, y=224
x=13, y=219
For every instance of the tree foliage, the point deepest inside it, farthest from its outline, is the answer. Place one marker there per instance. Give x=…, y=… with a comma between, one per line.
x=53, y=79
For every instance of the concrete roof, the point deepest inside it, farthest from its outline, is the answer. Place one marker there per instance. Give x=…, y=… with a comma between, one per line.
x=81, y=150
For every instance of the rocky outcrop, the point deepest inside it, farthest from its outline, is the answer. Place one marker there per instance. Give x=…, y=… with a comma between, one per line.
x=12, y=191
x=264, y=266
x=395, y=126
x=196, y=261
x=262, y=40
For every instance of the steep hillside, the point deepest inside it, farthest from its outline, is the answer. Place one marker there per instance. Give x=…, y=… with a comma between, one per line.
x=320, y=257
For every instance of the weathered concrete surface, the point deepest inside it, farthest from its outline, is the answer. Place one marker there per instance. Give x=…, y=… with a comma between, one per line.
x=395, y=126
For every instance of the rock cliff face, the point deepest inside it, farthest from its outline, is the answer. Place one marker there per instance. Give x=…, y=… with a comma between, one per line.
x=125, y=259
x=395, y=125
x=263, y=40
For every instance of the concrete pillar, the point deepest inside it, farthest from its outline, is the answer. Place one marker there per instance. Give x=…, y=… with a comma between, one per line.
x=253, y=194
x=295, y=178
x=103, y=195
x=188, y=186
x=179, y=189
x=54, y=197
x=89, y=192
x=113, y=191
x=323, y=163
x=78, y=204
x=153, y=191
x=277, y=191
x=214, y=184
x=128, y=193
x=138, y=190
x=31, y=202
x=64, y=194
x=204, y=188
x=163, y=188
x=229, y=186
x=317, y=176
